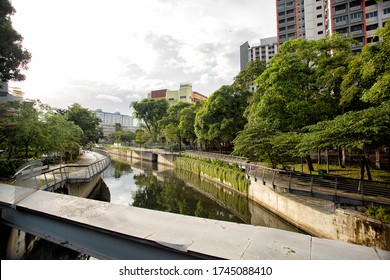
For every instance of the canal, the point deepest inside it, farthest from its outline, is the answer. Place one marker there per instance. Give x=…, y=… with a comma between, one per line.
x=147, y=185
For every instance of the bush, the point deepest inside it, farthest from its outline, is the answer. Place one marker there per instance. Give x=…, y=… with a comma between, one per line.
x=379, y=213
x=225, y=173
x=9, y=167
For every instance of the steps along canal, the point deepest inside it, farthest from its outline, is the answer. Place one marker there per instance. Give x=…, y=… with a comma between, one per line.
x=162, y=188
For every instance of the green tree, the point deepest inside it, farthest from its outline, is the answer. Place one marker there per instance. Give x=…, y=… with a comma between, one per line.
x=354, y=130
x=141, y=137
x=13, y=57
x=87, y=121
x=150, y=111
x=368, y=80
x=301, y=86
x=63, y=136
x=247, y=76
x=221, y=117
x=169, y=124
x=187, y=122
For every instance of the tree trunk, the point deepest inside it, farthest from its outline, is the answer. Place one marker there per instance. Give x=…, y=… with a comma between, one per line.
x=319, y=157
x=309, y=163
x=344, y=155
x=340, y=156
x=327, y=159
x=366, y=163
x=362, y=160
x=378, y=157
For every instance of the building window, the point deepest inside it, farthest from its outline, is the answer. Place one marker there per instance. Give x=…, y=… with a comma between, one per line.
x=340, y=7
x=318, y=8
x=282, y=21
x=355, y=4
x=386, y=11
x=342, y=30
x=290, y=19
x=356, y=16
x=341, y=19
x=370, y=3
x=372, y=27
x=319, y=24
x=319, y=16
x=320, y=32
x=372, y=14
x=356, y=28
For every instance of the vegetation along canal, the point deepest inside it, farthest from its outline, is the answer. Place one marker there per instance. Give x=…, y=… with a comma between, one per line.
x=146, y=185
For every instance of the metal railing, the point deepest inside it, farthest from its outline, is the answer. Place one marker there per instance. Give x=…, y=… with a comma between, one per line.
x=57, y=177
x=338, y=189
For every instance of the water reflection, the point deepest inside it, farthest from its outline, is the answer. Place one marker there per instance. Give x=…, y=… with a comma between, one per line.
x=146, y=185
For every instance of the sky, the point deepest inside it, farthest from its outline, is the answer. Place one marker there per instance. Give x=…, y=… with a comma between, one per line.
x=107, y=54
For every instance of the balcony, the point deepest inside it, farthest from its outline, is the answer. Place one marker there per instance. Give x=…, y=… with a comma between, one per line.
x=355, y=8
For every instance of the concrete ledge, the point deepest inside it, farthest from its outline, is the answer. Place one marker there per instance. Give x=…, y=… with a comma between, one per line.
x=190, y=235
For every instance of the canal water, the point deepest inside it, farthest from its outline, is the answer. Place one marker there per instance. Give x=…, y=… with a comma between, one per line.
x=162, y=188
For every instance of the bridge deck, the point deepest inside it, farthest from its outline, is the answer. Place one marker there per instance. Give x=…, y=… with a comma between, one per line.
x=189, y=236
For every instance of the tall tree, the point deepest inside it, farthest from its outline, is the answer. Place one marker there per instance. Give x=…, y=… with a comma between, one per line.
x=62, y=135
x=169, y=124
x=300, y=87
x=150, y=111
x=247, y=76
x=87, y=121
x=13, y=57
x=187, y=122
x=221, y=117
x=368, y=78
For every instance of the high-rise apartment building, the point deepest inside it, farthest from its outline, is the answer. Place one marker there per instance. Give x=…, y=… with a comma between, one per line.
x=305, y=19
x=359, y=19
x=315, y=19
x=263, y=51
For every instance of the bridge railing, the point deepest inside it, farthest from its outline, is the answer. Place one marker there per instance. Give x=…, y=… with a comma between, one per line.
x=324, y=185
x=57, y=177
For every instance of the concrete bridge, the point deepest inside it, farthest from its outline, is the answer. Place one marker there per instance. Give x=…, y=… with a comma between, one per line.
x=108, y=231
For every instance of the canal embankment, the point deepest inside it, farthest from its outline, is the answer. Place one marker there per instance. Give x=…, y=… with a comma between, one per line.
x=316, y=216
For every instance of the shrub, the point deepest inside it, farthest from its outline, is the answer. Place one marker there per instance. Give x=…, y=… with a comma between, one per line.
x=224, y=173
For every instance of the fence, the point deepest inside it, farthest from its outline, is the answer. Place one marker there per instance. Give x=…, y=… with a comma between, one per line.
x=338, y=189
x=53, y=178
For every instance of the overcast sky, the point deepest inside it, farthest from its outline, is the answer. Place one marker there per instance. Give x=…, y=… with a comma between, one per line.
x=106, y=54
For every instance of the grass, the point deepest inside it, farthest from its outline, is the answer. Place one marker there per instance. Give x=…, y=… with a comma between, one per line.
x=349, y=171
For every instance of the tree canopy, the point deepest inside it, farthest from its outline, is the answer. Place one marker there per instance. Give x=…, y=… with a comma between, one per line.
x=87, y=121
x=221, y=117
x=150, y=111
x=13, y=57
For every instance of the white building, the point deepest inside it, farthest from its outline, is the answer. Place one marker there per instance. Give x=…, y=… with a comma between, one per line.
x=265, y=50
x=110, y=119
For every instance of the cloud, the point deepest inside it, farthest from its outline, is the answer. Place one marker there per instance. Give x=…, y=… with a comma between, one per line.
x=109, y=97
x=139, y=46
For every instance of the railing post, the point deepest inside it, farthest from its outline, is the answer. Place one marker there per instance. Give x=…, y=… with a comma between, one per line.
x=273, y=179
x=335, y=189
x=289, y=182
x=311, y=185
x=263, y=176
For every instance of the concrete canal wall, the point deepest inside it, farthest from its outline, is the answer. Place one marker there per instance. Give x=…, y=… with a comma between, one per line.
x=322, y=218
x=129, y=155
